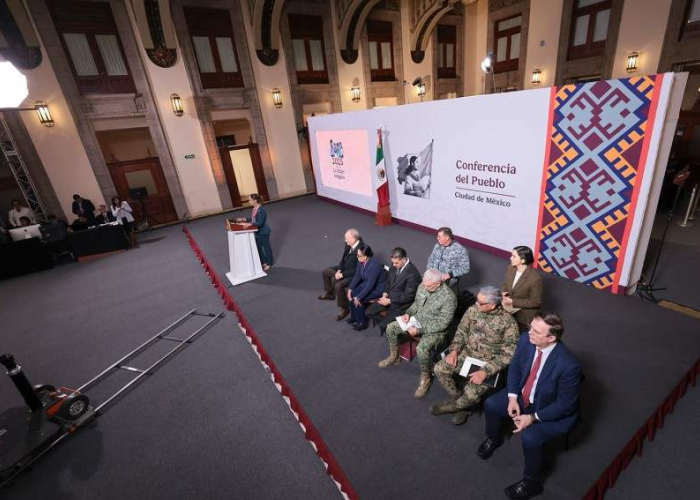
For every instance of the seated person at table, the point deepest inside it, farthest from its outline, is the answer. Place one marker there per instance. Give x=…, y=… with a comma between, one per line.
x=336, y=278
x=541, y=399
x=487, y=333
x=449, y=257
x=80, y=223
x=17, y=212
x=399, y=292
x=522, y=288
x=433, y=309
x=104, y=217
x=367, y=285
x=24, y=222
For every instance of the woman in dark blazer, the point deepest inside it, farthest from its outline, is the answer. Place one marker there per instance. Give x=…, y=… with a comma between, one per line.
x=367, y=285
x=262, y=235
x=522, y=288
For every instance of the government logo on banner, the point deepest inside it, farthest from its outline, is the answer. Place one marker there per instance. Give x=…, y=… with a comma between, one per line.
x=414, y=172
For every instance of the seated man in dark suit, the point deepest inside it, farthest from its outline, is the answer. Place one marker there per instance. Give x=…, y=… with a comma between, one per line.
x=542, y=399
x=80, y=223
x=399, y=292
x=337, y=278
x=104, y=217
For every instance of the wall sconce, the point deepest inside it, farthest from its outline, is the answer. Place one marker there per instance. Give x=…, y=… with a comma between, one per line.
x=277, y=98
x=356, y=93
x=177, y=104
x=536, y=75
x=42, y=109
x=632, y=60
x=421, y=90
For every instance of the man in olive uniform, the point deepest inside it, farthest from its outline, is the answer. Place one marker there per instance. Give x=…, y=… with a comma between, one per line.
x=433, y=307
x=488, y=333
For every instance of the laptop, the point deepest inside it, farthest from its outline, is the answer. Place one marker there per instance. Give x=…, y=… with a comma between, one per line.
x=24, y=233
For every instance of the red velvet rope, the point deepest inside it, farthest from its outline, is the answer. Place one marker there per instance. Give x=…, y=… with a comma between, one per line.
x=310, y=432
x=648, y=431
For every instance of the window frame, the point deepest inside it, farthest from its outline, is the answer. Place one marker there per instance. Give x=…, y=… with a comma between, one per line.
x=377, y=32
x=589, y=48
x=509, y=64
x=447, y=36
x=307, y=28
x=688, y=28
x=222, y=28
x=102, y=83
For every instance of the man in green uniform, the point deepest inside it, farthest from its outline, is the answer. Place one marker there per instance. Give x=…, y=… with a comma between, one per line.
x=433, y=308
x=488, y=333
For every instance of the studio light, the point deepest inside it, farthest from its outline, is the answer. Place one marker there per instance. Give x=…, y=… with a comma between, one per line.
x=632, y=61
x=42, y=109
x=177, y=104
x=277, y=98
x=13, y=86
x=536, y=75
x=356, y=93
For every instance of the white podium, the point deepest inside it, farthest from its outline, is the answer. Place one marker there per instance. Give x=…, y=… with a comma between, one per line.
x=244, y=259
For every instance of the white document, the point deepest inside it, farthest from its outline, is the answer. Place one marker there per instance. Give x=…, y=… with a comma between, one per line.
x=468, y=362
x=405, y=325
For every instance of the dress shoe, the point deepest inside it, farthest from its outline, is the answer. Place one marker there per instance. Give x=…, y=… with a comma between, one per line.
x=350, y=320
x=326, y=296
x=342, y=314
x=524, y=489
x=487, y=448
x=358, y=327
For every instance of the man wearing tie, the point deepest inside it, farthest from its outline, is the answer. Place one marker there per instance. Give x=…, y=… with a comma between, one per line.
x=400, y=290
x=542, y=399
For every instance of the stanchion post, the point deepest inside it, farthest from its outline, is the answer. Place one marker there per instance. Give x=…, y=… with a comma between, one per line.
x=695, y=206
x=693, y=196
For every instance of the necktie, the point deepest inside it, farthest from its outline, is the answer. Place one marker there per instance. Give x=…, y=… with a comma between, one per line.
x=530, y=382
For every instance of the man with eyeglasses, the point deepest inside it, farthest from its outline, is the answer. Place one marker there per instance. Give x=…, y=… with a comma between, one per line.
x=488, y=333
x=542, y=400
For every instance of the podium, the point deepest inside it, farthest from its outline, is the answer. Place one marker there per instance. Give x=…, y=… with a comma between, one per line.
x=244, y=260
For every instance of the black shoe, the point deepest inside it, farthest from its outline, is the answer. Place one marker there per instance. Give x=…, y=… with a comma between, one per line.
x=524, y=489
x=487, y=448
x=359, y=326
x=350, y=320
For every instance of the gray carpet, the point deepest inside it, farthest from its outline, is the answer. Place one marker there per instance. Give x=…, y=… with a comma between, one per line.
x=209, y=424
x=385, y=440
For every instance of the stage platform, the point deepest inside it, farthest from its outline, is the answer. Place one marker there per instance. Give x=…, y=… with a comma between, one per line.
x=386, y=441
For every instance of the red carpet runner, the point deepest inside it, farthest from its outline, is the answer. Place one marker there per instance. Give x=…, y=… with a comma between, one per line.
x=310, y=431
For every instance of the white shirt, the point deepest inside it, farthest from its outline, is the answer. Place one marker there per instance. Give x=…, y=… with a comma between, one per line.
x=518, y=274
x=15, y=215
x=123, y=211
x=353, y=247
x=402, y=267
x=545, y=354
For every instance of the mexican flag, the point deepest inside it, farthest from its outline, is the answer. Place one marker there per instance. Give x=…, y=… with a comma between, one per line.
x=383, y=185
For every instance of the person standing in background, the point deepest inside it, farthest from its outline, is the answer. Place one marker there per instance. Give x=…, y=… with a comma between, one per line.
x=121, y=210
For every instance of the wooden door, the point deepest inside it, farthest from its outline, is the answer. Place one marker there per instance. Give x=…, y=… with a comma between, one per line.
x=145, y=173
x=258, y=172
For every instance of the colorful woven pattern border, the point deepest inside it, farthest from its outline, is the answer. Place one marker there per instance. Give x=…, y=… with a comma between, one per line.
x=597, y=143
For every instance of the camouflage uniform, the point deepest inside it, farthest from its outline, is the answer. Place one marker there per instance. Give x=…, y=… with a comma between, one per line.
x=434, y=312
x=490, y=337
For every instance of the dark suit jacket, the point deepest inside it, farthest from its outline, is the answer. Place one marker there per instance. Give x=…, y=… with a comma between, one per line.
x=105, y=219
x=527, y=293
x=348, y=264
x=401, y=288
x=87, y=207
x=557, y=392
x=368, y=283
x=260, y=221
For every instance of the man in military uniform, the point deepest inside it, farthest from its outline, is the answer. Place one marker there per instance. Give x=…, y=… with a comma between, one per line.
x=488, y=333
x=433, y=307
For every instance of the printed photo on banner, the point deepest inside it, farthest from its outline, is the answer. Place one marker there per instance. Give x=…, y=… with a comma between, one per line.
x=414, y=172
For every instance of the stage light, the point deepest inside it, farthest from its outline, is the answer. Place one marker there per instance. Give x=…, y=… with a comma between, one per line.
x=42, y=110
x=536, y=75
x=632, y=60
x=13, y=86
x=177, y=104
x=277, y=98
x=356, y=93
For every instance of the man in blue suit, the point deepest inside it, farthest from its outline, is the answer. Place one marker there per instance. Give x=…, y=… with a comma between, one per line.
x=542, y=399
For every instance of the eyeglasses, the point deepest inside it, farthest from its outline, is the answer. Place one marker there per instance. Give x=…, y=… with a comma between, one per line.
x=479, y=303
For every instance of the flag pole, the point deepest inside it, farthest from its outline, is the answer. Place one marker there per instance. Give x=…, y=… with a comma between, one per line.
x=383, y=208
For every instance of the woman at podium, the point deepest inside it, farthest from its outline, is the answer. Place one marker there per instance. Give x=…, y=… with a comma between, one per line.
x=262, y=236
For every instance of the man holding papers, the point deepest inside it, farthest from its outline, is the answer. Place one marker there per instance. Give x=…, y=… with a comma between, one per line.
x=426, y=319
x=483, y=346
